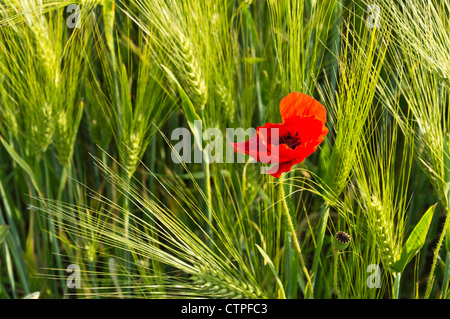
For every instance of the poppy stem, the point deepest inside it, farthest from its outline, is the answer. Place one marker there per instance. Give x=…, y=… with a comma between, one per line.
x=396, y=291
x=335, y=273
x=208, y=201
x=294, y=235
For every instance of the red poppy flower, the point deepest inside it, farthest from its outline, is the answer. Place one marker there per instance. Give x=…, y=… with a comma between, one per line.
x=290, y=142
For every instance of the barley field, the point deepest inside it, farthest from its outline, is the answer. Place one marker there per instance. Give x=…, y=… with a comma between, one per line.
x=265, y=149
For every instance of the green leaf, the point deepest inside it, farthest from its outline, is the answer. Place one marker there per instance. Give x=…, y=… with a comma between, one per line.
x=3, y=233
x=189, y=110
x=22, y=163
x=415, y=241
x=272, y=268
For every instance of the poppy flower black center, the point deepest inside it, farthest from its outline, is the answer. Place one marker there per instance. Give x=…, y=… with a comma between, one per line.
x=290, y=140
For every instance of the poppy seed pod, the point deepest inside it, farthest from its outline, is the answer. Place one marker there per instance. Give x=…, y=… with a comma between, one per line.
x=341, y=240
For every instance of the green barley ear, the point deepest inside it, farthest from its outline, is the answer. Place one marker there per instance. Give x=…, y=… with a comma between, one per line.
x=384, y=230
x=40, y=128
x=382, y=176
x=131, y=96
x=8, y=120
x=349, y=107
x=41, y=59
x=216, y=284
x=70, y=108
x=9, y=123
x=29, y=63
x=131, y=154
x=190, y=72
x=172, y=45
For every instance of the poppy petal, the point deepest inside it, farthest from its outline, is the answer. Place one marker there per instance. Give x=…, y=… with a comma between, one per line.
x=304, y=129
x=297, y=104
x=280, y=168
x=249, y=147
x=306, y=136
x=257, y=149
